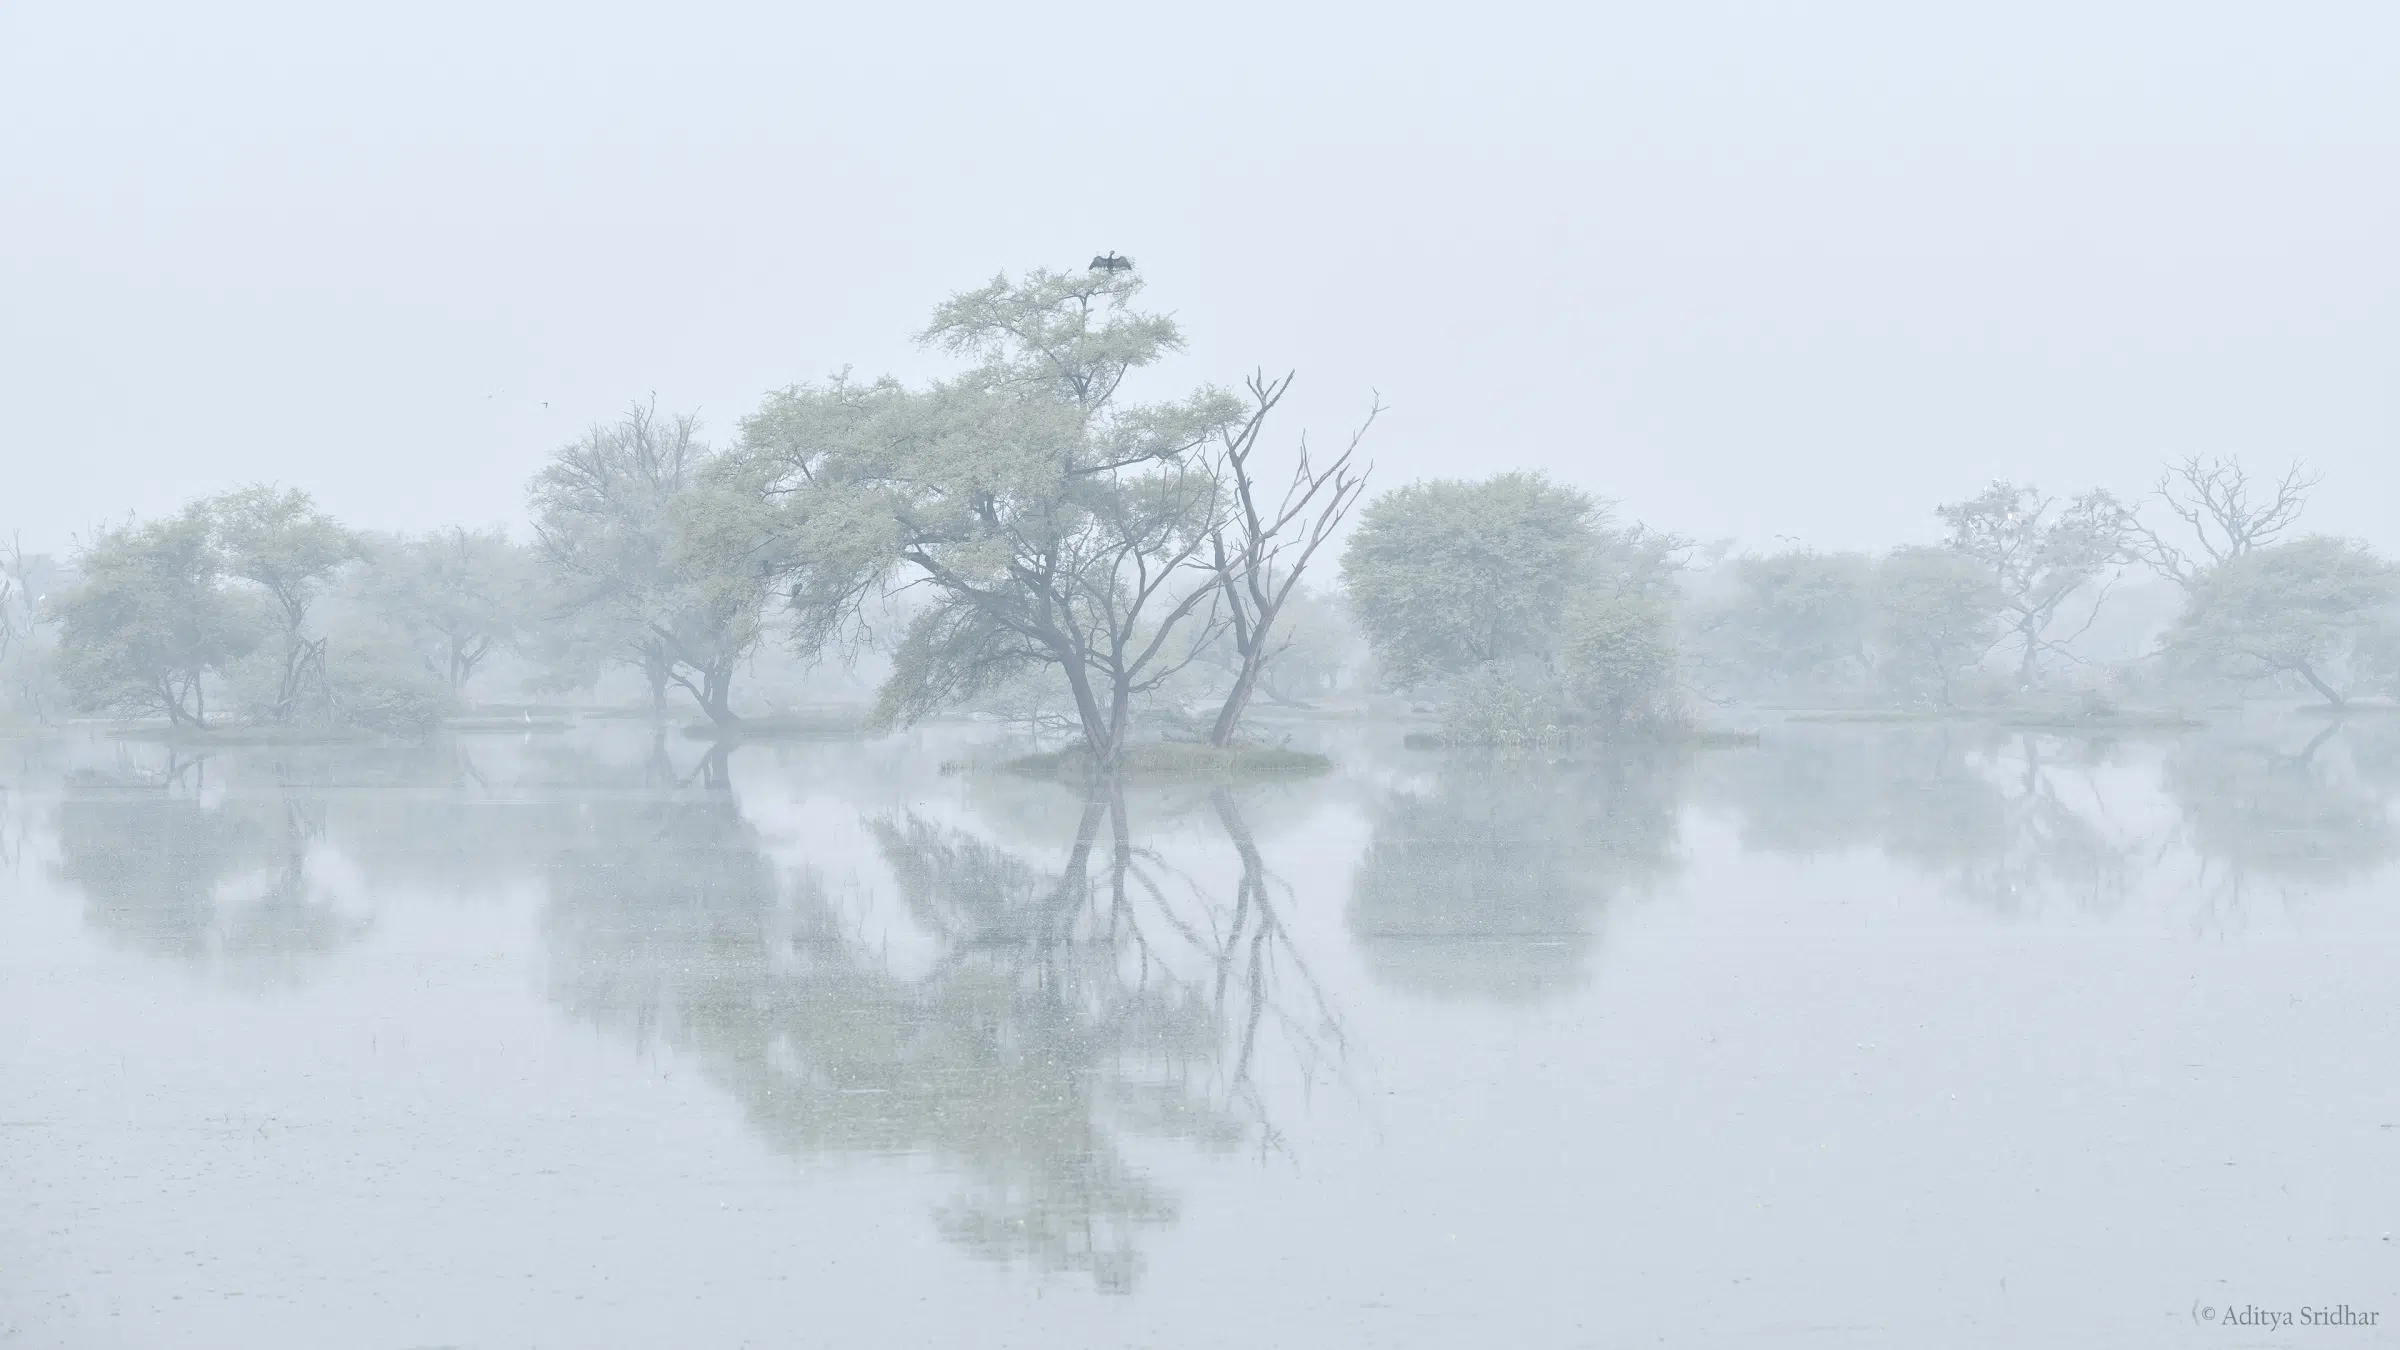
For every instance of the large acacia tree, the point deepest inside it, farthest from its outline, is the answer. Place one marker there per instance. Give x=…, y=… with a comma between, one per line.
x=152, y=621
x=2315, y=608
x=1044, y=520
x=458, y=595
x=1937, y=612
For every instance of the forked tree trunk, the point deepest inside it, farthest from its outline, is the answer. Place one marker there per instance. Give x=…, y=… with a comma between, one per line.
x=717, y=696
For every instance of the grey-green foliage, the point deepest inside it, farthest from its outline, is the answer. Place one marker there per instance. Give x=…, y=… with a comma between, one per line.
x=222, y=599
x=374, y=679
x=1525, y=597
x=2318, y=608
x=1045, y=522
x=660, y=553
x=288, y=551
x=1794, y=624
x=1448, y=576
x=1842, y=627
x=1616, y=657
x=1936, y=613
x=456, y=596
x=152, y=621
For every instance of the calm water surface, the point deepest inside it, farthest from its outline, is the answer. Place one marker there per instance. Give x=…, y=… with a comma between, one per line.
x=1859, y=1037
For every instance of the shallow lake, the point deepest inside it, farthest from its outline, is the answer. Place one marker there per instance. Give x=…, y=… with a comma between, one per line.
x=1861, y=1036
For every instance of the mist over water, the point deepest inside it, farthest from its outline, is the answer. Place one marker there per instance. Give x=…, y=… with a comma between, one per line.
x=1900, y=1035
x=1539, y=676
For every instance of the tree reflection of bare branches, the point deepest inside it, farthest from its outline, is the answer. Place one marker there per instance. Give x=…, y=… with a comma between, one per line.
x=1063, y=1010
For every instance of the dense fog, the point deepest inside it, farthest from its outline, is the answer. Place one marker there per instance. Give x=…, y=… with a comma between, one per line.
x=1021, y=538
x=734, y=675
x=1749, y=270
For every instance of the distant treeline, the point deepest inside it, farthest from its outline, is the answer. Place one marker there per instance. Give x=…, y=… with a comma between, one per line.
x=1017, y=540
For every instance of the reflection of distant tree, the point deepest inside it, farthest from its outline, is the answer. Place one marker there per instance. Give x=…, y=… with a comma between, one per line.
x=1982, y=808
x=441, y=817
x=2311, y=812
x=217, y=879
x=1065, y=1008
x=1487, y=885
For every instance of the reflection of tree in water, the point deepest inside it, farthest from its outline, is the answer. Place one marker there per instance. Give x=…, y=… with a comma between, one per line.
x=450, y=816
x=1487, y=885
x=218, y=879
x=1064, y=1010
x=2313, y=812
x=1980, y=807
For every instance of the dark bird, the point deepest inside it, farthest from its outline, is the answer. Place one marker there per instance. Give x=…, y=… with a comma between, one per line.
x=1110, y=262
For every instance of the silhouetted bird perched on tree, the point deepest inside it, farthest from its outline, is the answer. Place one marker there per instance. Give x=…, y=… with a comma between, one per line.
x=1110, y=262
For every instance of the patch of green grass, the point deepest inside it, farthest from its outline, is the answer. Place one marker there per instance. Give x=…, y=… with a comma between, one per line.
x=1176, y=759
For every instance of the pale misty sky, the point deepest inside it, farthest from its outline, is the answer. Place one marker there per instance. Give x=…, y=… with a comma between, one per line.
x=1751, y=269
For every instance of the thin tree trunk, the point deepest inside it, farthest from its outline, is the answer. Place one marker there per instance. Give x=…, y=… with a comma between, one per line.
x=655, y=669
x=1237, y=702
x=1096, y=733
x=1074, y=882
x=284, y=690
